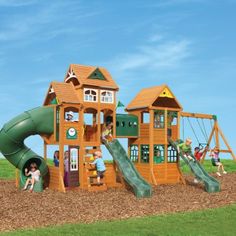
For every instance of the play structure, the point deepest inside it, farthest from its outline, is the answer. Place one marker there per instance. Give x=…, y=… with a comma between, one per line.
x=151, y=125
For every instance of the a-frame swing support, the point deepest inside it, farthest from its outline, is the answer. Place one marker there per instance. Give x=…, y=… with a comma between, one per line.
x=215, y=132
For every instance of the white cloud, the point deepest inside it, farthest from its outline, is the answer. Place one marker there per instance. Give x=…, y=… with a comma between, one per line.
x=58, y=19
x=153, y=56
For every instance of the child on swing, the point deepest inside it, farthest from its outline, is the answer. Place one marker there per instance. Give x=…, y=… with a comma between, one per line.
x=34, y=173
x=198, y=152
x=214, y=154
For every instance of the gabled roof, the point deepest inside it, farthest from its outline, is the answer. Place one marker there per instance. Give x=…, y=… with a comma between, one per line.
x=86, y=75
x=153, y=96
x=63, y=92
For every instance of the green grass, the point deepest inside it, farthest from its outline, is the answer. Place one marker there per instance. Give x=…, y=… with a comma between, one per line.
x=229, y=165
x=7, y=170
x=219, y=221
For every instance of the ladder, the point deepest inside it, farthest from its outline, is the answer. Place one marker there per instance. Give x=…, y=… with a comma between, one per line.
x=91, y=173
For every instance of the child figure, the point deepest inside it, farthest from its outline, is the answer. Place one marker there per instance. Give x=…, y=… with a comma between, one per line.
x=56, y=158
x=107, y=133
x=198, y=153
x=216, y=161
x=100, y=166
x=66, y=168
x=70, y=116
x=186, y=149
x=35, y=174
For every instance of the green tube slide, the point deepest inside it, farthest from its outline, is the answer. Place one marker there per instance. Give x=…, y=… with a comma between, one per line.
x=211, y=184
x=140, y=187
x=12, y=135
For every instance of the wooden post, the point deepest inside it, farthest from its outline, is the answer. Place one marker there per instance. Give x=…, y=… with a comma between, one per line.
x=166, y=144
x=61, y=147
x=178, y=125
x=45, y=151
x=81, y=148
x=217, y=134
x=225, y=141
x=151, y=146
x=114, y=122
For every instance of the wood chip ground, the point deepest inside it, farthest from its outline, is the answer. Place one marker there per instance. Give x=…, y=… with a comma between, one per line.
x=29, y=210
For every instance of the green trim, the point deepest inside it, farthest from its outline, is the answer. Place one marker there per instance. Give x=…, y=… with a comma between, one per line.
x=158, y=158
x=54, y=101
x=144, y=153
x=214, y=117
x=97, y=74
x=68, y=136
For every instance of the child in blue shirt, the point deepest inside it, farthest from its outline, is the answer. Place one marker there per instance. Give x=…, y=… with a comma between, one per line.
x=100, y=166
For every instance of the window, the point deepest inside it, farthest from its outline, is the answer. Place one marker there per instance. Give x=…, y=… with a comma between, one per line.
x=159, y=154
x=134, y=153
x=172, y=118
x=90, y=95
x=172, y=155
x=73, y=159
x=145, y=117
x=145, y=153
x=107, y=96
x=159, y=119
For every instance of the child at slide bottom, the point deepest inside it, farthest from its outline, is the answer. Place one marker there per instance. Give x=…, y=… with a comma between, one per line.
x=35, y=174
x=100, y=166
x=216, y=161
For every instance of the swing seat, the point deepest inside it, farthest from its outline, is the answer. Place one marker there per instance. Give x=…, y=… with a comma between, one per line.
x=214, y=162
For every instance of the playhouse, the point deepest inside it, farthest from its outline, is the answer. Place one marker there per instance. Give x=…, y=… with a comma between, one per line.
x=151, y=124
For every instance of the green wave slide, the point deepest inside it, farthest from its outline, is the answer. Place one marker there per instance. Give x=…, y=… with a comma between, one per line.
x=12, y=135
x=140, y=187
x=211, y=184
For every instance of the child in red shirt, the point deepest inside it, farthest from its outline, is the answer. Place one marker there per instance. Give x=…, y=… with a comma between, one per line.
x=198, y=153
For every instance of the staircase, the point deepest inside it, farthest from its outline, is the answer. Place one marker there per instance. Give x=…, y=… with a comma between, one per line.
x=91, y=173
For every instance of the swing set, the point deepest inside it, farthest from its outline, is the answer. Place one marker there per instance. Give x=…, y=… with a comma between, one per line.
x=214, y=135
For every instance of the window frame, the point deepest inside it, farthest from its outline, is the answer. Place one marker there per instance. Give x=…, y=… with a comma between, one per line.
x=90, y=89
x=102, y=96
x=134, y=153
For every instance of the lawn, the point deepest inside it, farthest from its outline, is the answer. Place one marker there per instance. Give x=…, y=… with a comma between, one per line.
x=7, y=171
x=219, y=221
x=229, y=165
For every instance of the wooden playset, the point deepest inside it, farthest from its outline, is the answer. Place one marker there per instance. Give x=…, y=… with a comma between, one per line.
x=153, y=117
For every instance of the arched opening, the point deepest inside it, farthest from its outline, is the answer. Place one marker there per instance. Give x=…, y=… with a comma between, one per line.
x=90, y=125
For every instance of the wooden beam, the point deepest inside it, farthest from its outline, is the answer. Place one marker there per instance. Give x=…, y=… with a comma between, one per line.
x=61, y=148
x=151, y=146
x=197, y=115
x=225, y=141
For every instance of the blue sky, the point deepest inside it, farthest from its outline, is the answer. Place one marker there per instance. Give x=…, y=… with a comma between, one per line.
x=187, y=44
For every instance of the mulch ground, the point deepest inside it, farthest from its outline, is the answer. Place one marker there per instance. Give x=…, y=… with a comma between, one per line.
x=29, y=210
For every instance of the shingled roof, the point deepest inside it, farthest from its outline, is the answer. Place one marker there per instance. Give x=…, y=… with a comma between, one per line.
x=149, y=96
x=83, y=75
x=64, y=92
